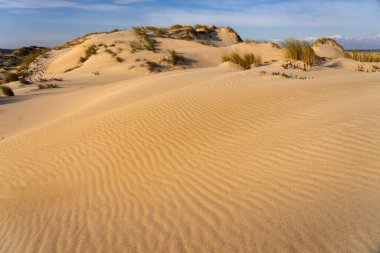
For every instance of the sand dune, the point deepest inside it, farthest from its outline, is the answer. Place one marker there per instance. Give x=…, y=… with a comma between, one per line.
x=203, y=160
x=204, y=157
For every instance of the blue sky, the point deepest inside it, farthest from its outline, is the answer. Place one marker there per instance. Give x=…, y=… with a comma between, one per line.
x=356, y=24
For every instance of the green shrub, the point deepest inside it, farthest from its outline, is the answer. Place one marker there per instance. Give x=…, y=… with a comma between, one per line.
x=246, y=61
x=299, y=51
x=6, y=91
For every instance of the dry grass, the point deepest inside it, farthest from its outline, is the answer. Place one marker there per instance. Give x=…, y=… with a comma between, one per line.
x=246, y=61
x=299, y=50
x=363, y=56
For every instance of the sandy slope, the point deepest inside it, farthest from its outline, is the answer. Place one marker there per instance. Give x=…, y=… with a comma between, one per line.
x=204, y=160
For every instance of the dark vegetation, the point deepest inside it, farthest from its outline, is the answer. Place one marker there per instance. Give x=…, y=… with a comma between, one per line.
x=6, y=91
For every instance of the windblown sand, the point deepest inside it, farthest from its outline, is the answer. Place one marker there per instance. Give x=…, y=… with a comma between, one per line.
x=205, y=160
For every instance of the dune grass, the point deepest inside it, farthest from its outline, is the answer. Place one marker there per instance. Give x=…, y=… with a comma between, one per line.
x=6, y=91
x=362, y=56
x=174, y=58
x=143, y=42
x=246, y=61
x=90, y=51
x=299, y=50
x=157, y=31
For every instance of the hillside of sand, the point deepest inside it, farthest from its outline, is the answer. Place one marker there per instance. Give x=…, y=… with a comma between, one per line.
x=207, y=158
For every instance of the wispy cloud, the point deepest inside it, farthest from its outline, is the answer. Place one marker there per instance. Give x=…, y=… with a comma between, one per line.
x=297, y=13
x=56, y=4
x=253, y=19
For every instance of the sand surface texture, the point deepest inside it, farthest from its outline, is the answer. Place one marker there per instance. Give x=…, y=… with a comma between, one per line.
x=200, y=160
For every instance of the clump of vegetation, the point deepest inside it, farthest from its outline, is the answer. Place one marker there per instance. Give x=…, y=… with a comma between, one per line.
x=246, y=61
x=374, y=68
x=10, y=77
x=90, y=51
x=6, y=91
x=157, y=31
x=150, y=44
x=362, y=56
x=175, y=59
x=136, y=46
x=48, y=86
x=300, y=51
x=290, y=76
x=112, y=53
x=23, y=68
x=175, y=27
x=231, y=30
x=263, y=72
x=119, y=59
x=43, y=80
x=144, y=41
x=70, y=69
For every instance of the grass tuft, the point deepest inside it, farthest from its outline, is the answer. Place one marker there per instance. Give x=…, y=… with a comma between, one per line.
x=90, y=51
x=143, y=42
x=300, y=51
x=246, y=61
x=174, y=58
